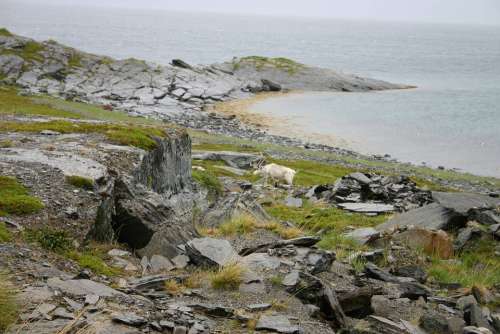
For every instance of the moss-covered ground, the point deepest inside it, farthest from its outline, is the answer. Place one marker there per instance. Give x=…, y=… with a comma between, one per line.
x=15, y=199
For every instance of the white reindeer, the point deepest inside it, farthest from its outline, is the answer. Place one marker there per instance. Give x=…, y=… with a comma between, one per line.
x=276, y=172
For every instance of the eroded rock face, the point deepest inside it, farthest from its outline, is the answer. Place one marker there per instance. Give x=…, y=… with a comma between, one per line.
x=167, y=169
x=152, y=210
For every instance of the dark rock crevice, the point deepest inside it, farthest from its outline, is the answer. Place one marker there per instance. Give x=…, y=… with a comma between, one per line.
x=151, y=210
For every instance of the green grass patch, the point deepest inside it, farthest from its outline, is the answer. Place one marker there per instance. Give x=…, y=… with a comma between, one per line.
x=429, y=185
x=239, y=225
x=478, y=266
x=331, y=221
x=41, y=105
x=15, y=198
x=6, y=143
x=31, y=51
x=131, y=135
x=94, y=259
x=5, y=235
x=54, y=240
x=311, y=173
x=5, y=32
x=13, y=104
x=285, y=64
x=9, y=308
x=245, y=223
x=209, y=181
x=80, y=182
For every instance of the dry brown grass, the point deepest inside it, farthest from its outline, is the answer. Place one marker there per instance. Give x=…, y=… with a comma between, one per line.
x=228, y=277
x=196, y=279
x=173, y=288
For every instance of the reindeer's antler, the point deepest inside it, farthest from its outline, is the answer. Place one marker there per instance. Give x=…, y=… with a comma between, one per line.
x=261, y=161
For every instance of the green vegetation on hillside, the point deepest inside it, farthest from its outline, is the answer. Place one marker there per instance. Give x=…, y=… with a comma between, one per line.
x=126, y=130
x=260, y=62
x=93, y=258
x=13, y=104
x=5, y=32
x=478, y=266
x=432, y=178
x=30, y=51
x=332, y=223
x=5, y=235
x=131, y=135
x=59, y=241
x=209, y=181
x=15, y=198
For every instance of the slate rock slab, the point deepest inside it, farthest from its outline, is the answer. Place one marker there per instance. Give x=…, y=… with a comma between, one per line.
x=277, y=324
x=461, y=203
x=130, y=319
x=233, y=159
x=82, y=287
x=367, y=207
x=261, y=261
x=211, y=252
x=363, y=235
x=432, y=216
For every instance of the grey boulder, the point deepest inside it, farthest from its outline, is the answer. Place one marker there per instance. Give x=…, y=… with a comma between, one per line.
x=211, y=252
x=277, y=324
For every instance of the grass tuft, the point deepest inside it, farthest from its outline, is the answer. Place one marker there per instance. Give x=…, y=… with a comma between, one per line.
x=228, y=277
x=15, y=199
x=276, y=280
x=238, y=225
x=195, y=279
x=80, y=182
x=9, y=308
x=173, y=288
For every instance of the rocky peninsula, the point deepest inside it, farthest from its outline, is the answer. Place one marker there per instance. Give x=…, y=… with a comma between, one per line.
x=128, y=206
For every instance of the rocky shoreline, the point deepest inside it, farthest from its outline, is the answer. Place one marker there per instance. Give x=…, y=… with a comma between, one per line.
x=113, y=223
x=179, y=93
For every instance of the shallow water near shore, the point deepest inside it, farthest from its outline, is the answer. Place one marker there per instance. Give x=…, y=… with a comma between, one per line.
x=452, y=119
x=410, y=125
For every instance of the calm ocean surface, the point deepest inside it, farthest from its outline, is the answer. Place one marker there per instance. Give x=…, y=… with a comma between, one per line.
x=452, y=119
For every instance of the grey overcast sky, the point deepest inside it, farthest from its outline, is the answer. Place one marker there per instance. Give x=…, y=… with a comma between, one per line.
x=456, y=11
